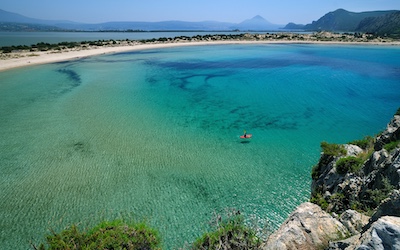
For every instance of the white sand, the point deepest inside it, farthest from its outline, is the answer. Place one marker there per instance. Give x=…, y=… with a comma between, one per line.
x=16, y=60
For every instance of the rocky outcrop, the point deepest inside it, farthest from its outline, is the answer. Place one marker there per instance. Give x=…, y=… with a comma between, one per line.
x=392, y=133
x=370, y=182
x=308, y=227
x=354, y=221
x=389, y=206
x=365, y=187
x=383, y=234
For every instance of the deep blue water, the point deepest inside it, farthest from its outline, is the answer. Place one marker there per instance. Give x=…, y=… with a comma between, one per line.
x=154, y=134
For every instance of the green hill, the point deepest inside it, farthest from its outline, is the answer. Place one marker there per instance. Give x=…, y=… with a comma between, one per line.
x=388, y=24
x=342, y=20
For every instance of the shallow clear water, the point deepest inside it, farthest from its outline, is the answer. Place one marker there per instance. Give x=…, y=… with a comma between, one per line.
x=154, y=134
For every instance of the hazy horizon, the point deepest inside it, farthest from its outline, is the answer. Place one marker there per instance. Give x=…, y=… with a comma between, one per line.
x=99, y=11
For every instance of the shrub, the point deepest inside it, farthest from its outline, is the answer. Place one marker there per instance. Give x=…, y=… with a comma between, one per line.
x=391, y=145
x=319, y=200
x=348, y=164
x=333, y=149
x=315, y=171
x=397, y=112
x=378, y=195
x=106, y=235
x=339, y=202
x=365, y=143
x=229, y=234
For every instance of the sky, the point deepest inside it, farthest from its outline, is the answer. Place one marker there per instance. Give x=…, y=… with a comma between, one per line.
x=234, y=11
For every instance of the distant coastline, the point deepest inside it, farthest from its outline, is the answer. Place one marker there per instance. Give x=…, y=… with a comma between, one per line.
x=21, y=56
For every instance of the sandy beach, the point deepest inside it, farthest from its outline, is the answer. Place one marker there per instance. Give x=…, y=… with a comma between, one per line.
x=23, y=59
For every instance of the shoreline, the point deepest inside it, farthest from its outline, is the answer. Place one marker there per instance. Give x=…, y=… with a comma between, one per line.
x=25, y=59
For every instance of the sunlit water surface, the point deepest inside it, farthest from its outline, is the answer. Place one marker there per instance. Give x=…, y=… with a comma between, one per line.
x=154, y=134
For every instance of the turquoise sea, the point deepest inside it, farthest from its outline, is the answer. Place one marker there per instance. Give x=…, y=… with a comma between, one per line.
x=154, y=134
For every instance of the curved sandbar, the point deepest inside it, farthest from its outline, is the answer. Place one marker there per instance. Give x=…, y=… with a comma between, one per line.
x=22, y=59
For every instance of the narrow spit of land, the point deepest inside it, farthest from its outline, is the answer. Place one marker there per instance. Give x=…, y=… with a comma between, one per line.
x=41, y=53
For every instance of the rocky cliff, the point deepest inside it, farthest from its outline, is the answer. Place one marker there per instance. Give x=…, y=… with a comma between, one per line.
x=355, y=198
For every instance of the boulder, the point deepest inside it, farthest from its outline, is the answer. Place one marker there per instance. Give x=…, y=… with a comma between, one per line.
x=308, y=227
x=346, y=244
x=352, y=150
x=383, y=234
x=375, y=161
x=353, y=221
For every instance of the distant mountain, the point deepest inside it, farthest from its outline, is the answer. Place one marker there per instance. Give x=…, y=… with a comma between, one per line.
x=342, y=20
x=256, y=23
x=9, y=26
x=149, y=26
x=293, y=26
x=10, y=17
x=387, y=24
x=6, y=16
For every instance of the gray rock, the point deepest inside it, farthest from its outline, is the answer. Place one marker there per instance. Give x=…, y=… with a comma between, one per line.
x=353, y=221
x=383, y=234
x=389, y=206
x=352, y=150
x=392, y=133
x=308, y=227
x=346, y=244
x=378, y=157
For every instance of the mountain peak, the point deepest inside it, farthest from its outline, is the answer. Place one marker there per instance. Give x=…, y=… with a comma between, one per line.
x=258, y=17
x=257, y=23
x=341, y=10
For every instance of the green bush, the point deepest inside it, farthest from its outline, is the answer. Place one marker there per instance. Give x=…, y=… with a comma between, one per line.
x=397, y=112
x=229, y=234
x=315, y=171
x=365, y=143
x=333, y=149
x=378, y=195
x=348, y=164
x=320, y=201
x=106, y=235
x=339, y=201
x=391, y=145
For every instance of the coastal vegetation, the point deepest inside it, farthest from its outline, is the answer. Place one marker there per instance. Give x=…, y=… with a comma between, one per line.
x=106, y=235
x=329, y=152
x=18, y=50
x=348, y=164
x=391, y=145
x=332, y=149
x=340, y=168
x=364, y=143
x=229, y=232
